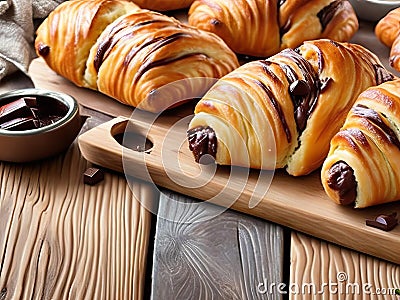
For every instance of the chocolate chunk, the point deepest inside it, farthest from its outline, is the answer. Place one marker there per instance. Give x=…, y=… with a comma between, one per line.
x=299, y=88
x=93, y=176
x=202, y=141
x=43, y=50
x=341, y=179
x=19, y=108
x=215, y=22
x=384, y=222
x=20, y=124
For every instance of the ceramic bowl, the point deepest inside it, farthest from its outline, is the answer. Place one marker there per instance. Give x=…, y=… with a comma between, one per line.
x=373, y=10
x=51, y=138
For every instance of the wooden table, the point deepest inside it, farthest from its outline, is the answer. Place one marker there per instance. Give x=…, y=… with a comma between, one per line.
x=61, y=239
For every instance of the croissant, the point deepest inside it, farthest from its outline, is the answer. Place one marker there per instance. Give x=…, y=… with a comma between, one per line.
x=65, y=37
x=388, y=32
x=362, y=167
x=263, y=28
x=132, y=56
x=290, y=104
x=163, y=5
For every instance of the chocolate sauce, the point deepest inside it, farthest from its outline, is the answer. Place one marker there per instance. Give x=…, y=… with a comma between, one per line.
x=381, y=74
x=326, y=14
x=115, y=35
x=202, y=141
x=304, y=99
x=277, y=108
x=373, y=116
x=341, y=179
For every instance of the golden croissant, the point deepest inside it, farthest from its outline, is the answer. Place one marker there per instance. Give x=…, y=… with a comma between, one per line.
x=362, y=168
x=388, y=32
x=290, y=104
x=163, y=5
x=263, y=28
x=129, y=53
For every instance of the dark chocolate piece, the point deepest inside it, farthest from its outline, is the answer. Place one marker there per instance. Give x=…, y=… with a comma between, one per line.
x=202, y=141
x=326, y=14
x=20, y=124
x=93, y=176
x=43, y=49
x=383, y=222
x=341, y=179
x=19, y=108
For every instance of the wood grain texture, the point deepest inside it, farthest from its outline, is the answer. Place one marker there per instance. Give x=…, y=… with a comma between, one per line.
x=62, y=239
x=352, y=275
x=296, y=202
x=220, y=257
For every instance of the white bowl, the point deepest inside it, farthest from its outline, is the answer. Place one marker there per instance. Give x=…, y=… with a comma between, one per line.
x=373, y=10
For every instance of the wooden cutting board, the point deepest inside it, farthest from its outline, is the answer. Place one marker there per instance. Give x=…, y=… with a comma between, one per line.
x=299, y=203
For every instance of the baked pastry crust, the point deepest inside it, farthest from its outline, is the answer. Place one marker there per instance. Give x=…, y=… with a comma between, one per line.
x=388, y=32
x=163, y=5
x=302, y=95
x=129, y=53
x=144, y=51
x=263, y=28
x=66, y=36
x=362, y=168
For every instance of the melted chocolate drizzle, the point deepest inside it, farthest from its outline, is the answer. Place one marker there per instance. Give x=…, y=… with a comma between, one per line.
x=381, y=74
x=304, y=92
x=374, y=117
x=277, y=108
x=327, y=13
x=341, y=179
x=116, y=34
x=202, y=141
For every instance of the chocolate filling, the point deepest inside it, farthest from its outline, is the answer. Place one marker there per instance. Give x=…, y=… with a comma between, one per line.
x=381, y=74
x=341, y=179
x=372, y=116
x=327, y=13
x=304, y=92
x=202, y=141
x=43, y=50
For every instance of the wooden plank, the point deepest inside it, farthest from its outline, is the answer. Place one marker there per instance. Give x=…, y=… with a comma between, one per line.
x=320, y=270
x=298, y=203
x=62, y=239
x=203, y=253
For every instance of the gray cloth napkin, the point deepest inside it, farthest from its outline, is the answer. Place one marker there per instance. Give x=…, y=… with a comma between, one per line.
x=17, y=29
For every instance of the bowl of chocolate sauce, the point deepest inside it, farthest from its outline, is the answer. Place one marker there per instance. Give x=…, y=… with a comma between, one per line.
x=36, y=124
x=373, y=10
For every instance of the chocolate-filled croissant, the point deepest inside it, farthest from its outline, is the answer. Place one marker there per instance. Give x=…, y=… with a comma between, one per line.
x=362, y=168
x=264, y=27
x=66, y=36
x=163, y=5
x=294, y=102
x=129, y=55
x=388, y=32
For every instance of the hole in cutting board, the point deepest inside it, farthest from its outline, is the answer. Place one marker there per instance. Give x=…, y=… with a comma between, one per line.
x=132, y=138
